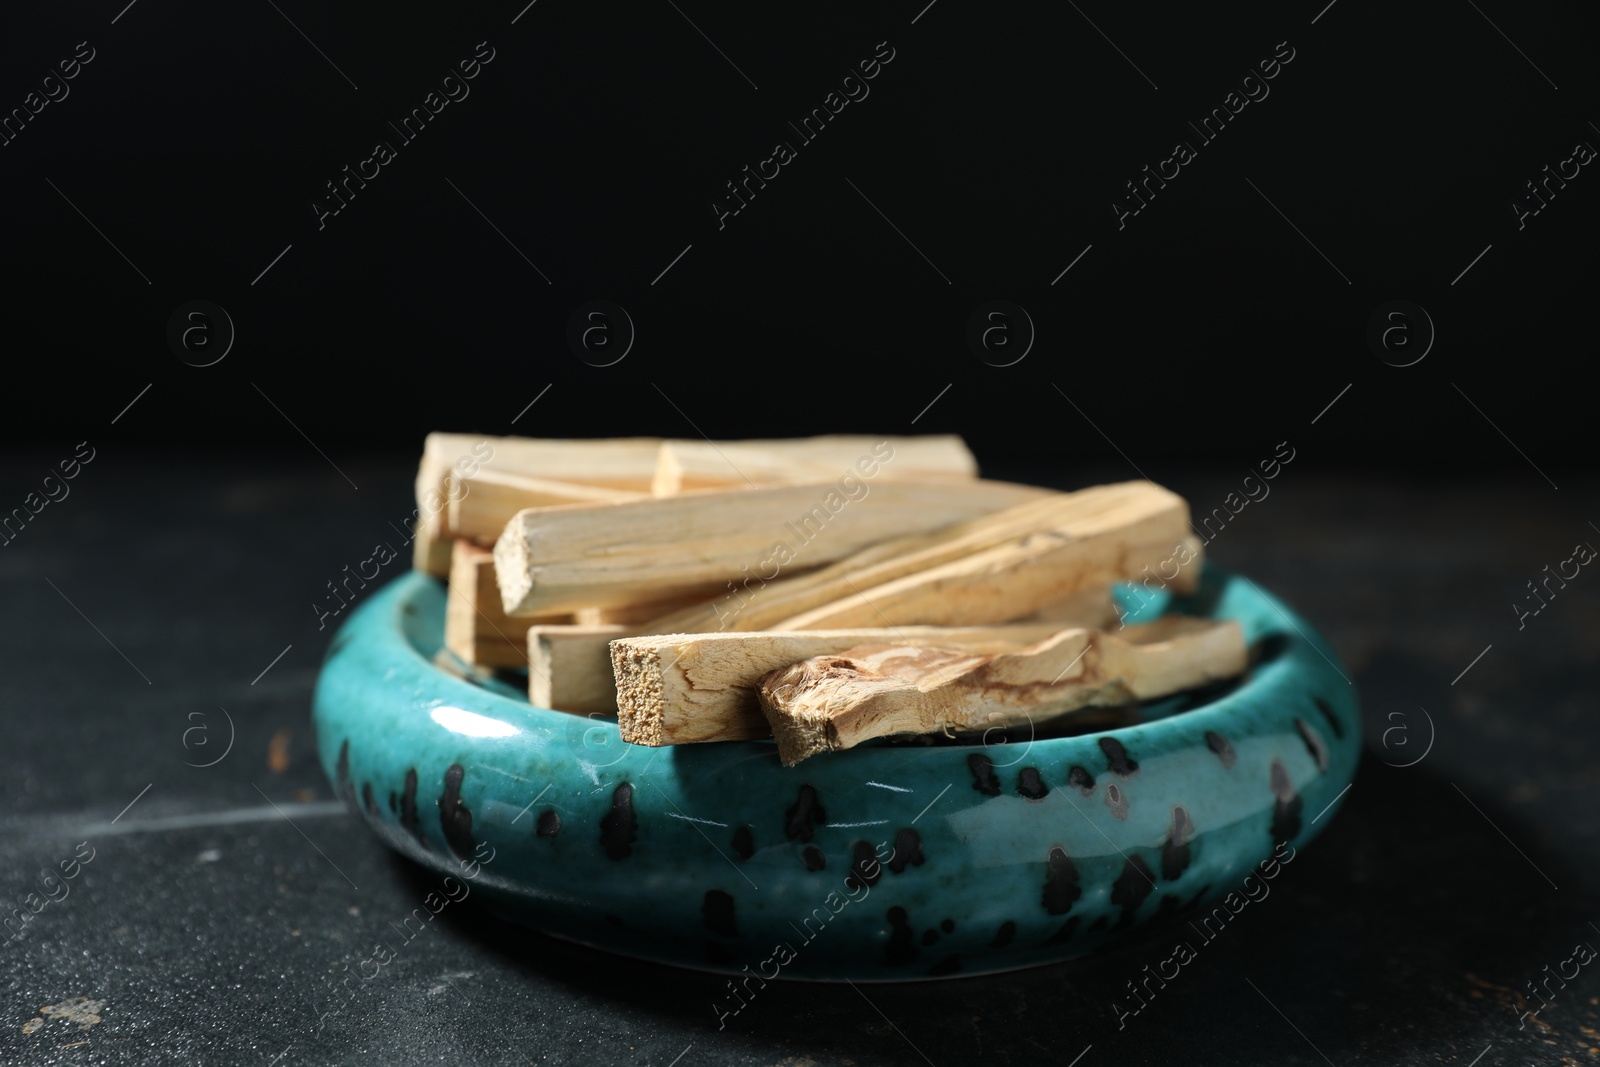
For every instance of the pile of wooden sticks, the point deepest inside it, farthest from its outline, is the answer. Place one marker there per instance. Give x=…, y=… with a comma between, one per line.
x=822, y=591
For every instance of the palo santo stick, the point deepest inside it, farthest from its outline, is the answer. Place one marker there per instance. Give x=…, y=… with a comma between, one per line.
x=482, y=504
x=827, y=703
x=688, y=466
x=585, y=654
x=636, y=615
x=614, y=463
x=569, y=667
x=1017, y=578
x=430, y=554
x=769, y=606
x=561, y=559
x=1094, y=608
x=430, y=546
x=682, y=688
x=623, y=464
x=476, y=628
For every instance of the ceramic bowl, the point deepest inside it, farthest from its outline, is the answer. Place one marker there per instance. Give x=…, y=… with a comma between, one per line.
x=890, y=861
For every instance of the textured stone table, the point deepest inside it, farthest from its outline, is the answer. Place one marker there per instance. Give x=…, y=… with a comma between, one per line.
x=172, y=594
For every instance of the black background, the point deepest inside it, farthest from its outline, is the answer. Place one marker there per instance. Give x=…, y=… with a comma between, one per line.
x=596, y=140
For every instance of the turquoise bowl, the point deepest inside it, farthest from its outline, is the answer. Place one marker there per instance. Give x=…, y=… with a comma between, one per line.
x=886, y=862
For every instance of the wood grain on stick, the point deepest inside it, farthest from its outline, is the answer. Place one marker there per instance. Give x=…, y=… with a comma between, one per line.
x=677, y=689
x=476, y=628
x=430, y=546
x=627, y=463
x=621, y=464
x=688, y=466
x=482, y=504
x=580, y=678
x=758, y=605
x=569, y=667
x=561, y=559
x=636, y=614
x=781, y=604
x=830, y=702
x=1132, y=534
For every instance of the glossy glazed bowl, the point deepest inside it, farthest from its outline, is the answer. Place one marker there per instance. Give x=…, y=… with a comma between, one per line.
x=884, y=862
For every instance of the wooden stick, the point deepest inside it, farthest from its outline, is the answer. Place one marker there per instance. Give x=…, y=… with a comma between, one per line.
x=1094, y=609
x=430, y=553
x=1012, y=579
x=832, y=702
x=569, y=667
x=627, y=463
x=623, y=464
x=636, y=615
x=682, y=688
x=476, y=628
x=760, y=605
x=430, y=547
x=688, y=466
x=526, y=474
x=561, y=559
x=481, y=505
x=579, y=676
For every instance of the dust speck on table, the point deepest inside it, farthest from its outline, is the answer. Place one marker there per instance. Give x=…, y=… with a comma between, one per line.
x=278, y=751
x=81, y=1010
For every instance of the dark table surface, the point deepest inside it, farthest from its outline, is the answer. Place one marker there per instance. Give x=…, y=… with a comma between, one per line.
x=173, y=592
